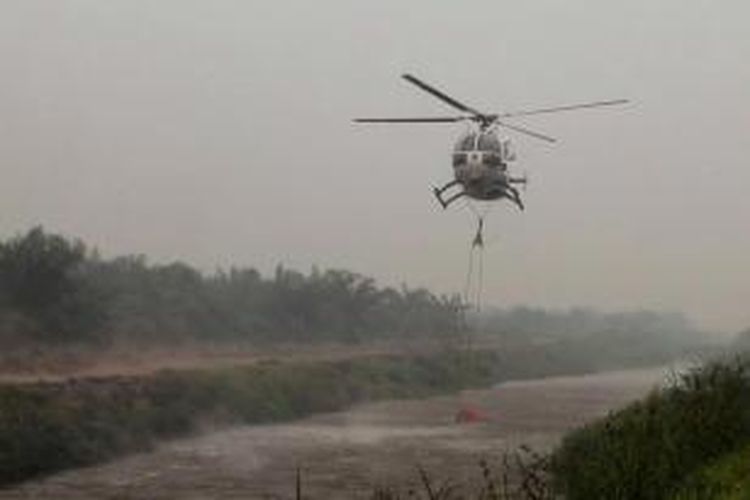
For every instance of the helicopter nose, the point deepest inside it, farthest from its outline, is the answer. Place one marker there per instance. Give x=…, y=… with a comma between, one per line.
x=475, y=159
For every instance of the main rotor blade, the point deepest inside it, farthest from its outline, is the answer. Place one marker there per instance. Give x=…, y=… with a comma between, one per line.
x=565, y=108
x=412, y=120
x=526, y=131
x=440, y=95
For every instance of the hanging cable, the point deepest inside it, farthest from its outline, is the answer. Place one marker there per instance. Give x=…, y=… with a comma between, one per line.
x=474, y=283
x=469, y=276
x=473, y=286
x=479, y=244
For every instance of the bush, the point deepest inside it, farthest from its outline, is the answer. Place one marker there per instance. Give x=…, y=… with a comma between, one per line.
x=649, y=449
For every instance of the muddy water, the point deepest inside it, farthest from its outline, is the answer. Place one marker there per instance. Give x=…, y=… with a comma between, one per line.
x=347, y=454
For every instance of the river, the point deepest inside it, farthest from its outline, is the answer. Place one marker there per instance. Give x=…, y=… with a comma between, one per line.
x=347, y=454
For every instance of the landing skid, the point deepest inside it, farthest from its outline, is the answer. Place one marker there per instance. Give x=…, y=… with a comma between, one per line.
x=439, y=195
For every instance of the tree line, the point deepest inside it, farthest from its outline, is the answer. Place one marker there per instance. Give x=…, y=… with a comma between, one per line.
x=55, y=290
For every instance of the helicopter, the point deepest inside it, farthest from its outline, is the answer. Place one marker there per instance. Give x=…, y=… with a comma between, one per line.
x=480, y=156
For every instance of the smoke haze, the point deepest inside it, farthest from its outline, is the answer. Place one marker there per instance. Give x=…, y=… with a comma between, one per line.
x=219, y=133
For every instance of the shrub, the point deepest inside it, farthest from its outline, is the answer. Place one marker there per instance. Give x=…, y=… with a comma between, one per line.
x=648, y=449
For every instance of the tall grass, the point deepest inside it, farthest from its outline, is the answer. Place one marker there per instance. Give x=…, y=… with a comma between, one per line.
x=653, y=448
x=521, y=475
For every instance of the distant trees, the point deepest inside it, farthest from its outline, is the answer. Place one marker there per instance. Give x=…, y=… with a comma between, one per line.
x=35, y=269
x=741, y=340
x=53, y=289
x=607, y=339
x=580, y=323
x=42, y=294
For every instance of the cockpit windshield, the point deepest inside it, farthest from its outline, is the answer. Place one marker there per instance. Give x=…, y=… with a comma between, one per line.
x=483, y=141
x=467, y=142
x=489, y=142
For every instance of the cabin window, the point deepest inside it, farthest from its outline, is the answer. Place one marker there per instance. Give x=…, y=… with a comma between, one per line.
x=466, y=143
x=489, y=142
x=508, y=153
x=492, y=159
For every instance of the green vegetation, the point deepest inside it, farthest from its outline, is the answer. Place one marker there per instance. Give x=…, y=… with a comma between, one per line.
x=728, y=478
x=55, y=291
x=660, y=447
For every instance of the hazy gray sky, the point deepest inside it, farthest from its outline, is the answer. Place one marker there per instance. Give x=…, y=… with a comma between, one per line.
x=218, y=132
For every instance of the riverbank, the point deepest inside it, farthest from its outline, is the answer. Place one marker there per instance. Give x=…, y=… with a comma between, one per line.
x=349, y=454
x=55, y=425
x=48, y=427
x=52, y=426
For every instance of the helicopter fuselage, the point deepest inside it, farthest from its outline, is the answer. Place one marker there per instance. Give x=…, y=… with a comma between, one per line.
x=480, y=168
x=481, y=178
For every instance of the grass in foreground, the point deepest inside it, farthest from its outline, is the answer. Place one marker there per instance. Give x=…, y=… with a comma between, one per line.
x=727, y=478
x=655, y=448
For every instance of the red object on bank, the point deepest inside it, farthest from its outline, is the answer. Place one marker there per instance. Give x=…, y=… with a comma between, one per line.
x=470, y=415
